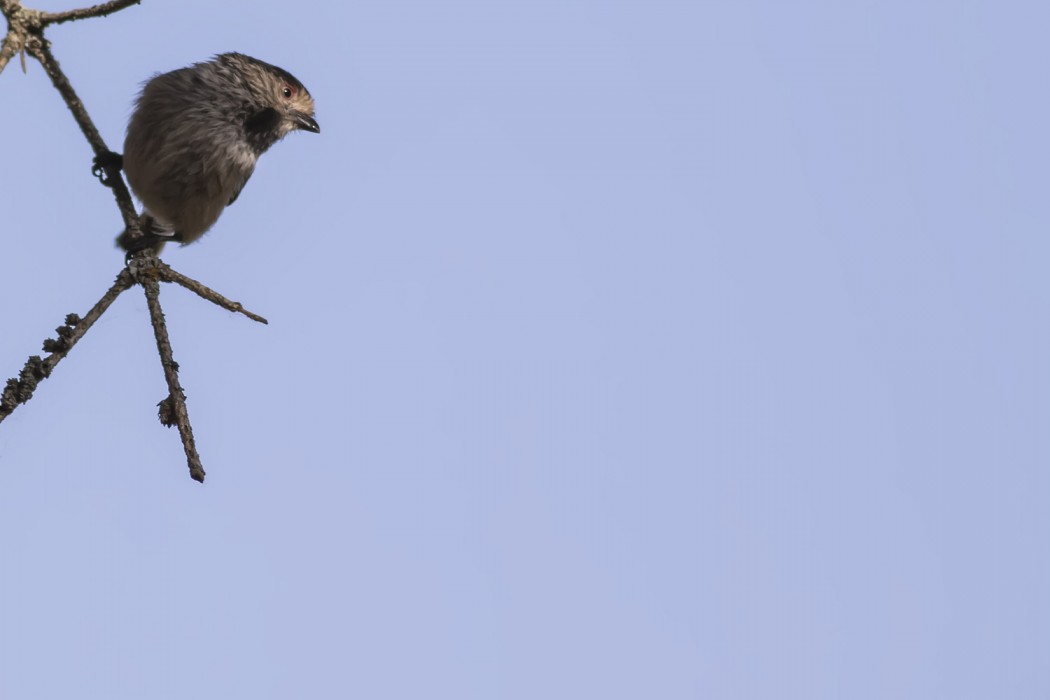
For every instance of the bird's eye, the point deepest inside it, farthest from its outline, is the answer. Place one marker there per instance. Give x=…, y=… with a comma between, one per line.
x=288, y=91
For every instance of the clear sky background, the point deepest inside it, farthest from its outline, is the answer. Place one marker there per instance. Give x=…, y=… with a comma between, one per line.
x=617, y=350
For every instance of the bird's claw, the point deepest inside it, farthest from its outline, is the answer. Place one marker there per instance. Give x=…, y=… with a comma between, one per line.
x=106, y=166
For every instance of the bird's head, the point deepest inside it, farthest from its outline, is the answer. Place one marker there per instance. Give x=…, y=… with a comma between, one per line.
x=279, y=102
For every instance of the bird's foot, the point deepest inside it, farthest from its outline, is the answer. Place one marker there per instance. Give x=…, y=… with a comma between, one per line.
x=106, y=166
x=150, y=234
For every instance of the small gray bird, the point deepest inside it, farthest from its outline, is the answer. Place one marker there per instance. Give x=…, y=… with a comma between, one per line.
x=195, y=136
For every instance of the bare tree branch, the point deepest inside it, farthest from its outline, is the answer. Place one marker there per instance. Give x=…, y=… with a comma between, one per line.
x=169, y=275
x=40, y=51
x=18, y=391
x=26, y=34
x=100, y=10
x=173, y=408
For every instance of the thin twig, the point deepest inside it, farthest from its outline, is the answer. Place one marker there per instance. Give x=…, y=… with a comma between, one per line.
x=99, y=10
x=174, y=406
x=169, y=275
x=8, y=48
x=40, y=51
x=18, y=391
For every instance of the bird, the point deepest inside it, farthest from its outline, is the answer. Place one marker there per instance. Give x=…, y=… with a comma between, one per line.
x=194, y=138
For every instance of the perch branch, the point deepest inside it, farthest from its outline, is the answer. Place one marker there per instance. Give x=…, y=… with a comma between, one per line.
x=40, y=51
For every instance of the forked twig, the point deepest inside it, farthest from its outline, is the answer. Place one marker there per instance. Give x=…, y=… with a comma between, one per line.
x=26, y=35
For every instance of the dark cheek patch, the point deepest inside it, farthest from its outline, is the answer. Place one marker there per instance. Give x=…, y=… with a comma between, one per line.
x=262, y=129
x=262, y=122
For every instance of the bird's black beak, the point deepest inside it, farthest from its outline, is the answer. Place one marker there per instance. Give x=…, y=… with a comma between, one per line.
x=305, y=122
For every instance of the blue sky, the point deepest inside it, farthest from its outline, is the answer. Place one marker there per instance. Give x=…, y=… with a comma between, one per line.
x=616, y=350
